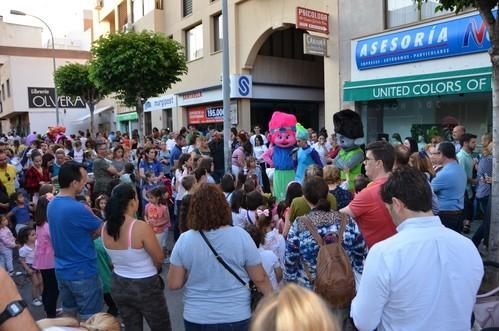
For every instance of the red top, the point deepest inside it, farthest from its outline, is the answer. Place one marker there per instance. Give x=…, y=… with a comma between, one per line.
x=33, y=179
x=370, y=212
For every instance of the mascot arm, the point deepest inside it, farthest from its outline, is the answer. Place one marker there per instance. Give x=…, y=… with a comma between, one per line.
x=267, y=156
x=356, y=159
x=317, y=159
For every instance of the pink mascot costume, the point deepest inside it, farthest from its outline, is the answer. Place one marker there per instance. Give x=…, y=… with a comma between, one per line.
x=282, y=129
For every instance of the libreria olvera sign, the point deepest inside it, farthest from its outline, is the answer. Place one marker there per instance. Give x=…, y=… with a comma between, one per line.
x=455, y=37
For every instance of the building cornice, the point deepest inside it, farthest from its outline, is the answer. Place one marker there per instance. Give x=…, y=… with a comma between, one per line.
x=44, y=52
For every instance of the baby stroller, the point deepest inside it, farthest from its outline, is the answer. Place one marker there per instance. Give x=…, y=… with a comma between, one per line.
x=486, y=309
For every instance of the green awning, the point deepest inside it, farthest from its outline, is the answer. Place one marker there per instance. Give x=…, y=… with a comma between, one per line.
x=443, y=83
x=127, y=117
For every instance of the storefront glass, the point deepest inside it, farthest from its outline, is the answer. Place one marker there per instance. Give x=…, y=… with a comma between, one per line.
x=427, y=116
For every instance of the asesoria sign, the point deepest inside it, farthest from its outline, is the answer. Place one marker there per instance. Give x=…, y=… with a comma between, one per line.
x=455, y=37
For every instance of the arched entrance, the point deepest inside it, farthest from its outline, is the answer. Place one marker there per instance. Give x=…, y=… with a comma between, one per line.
x=286, y=79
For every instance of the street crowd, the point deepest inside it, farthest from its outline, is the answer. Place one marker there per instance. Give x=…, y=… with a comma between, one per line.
x=94, y=220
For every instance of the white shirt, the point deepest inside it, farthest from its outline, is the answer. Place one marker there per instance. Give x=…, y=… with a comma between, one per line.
x=258, y=152
x=240, y=219
x=27, y=253
x=275, y=242
x=425, y=277
x=322, y=150
x=170, y=143
x=270, y=262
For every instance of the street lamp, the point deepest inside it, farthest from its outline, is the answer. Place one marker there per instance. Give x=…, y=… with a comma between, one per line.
x=20, y=13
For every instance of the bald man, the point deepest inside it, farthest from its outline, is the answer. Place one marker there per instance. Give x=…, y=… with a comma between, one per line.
x=457, y=133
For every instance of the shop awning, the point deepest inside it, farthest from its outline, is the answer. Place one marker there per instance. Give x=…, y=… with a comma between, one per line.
x=442, y=83
x=96, y=112
x=127, y=117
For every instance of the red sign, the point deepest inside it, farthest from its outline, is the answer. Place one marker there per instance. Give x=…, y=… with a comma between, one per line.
x=205, y=114
x=312, y=20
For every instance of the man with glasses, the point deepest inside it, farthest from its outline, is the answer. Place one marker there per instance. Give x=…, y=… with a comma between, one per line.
x=7, y=173
x=367, y=208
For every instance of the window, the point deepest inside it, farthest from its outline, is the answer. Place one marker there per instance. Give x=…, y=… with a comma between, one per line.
x=3, y=91
x=217, y=32
x=8, y=88
x=194, y=42
x=186, y=7
x=400, y=12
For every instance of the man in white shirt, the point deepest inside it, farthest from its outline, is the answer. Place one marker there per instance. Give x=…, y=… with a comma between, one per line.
x=426, y=276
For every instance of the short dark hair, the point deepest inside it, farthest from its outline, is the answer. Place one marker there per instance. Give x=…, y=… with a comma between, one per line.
x=227, y=183
x=99, y=145
x=69, y=172
x=383, y=151
x=447, y=149
x=466, y=138
x=402, y=154
x=315, y=191
x=409, y=186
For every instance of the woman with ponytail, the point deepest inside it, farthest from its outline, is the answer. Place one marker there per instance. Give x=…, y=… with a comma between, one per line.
x=137, y=257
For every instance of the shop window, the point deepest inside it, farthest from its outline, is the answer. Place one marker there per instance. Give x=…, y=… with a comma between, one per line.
x=8, y=88
x=217, y=32
x=186, y=7
x=422, y=118
x=194, y=42
x=401, y=12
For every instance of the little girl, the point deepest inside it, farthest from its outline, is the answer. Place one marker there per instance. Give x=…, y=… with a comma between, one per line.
x=27, y=238
x=7, y=244
x=157, y=215
x=274, y=241
x=252, y=168
x=147, y=187
x=100, y=206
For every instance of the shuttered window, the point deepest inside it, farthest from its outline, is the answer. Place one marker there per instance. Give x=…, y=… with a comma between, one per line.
x=186, y=7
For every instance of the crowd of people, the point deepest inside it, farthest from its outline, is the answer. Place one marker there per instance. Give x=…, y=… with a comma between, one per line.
x=90, y=218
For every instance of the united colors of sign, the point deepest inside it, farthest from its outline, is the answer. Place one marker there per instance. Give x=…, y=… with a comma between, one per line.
x=456, y=37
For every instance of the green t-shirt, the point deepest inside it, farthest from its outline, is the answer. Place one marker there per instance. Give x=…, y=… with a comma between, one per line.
x=299, y=206
x=104, y=265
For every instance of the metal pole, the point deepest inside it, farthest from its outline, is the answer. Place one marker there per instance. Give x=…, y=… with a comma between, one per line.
x=226, y=85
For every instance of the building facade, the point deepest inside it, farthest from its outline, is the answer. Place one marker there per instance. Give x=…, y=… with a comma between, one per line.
x=421, y=73
x=266, y=59
x=27, y=96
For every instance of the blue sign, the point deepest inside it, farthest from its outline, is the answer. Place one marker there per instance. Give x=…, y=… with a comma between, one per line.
x=243, y=85
x=214, y=112
x=456, y=37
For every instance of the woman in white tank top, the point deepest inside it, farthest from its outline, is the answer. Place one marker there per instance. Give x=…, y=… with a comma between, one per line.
x=136, y=286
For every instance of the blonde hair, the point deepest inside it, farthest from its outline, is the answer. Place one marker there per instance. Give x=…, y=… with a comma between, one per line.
x=97, y=322
x=331, y=174
x=294, y=308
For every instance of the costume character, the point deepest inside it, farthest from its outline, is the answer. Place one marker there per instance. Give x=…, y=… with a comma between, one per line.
x=350, y=133
x=282, y=129
x=306, y=154
x=56, y=134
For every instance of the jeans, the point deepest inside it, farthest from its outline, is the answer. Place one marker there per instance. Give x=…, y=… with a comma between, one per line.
x=483, y=231
x=452, y=220
x=138, y=299
x=234, y=326
x=83, y=296
x=6, y=258
x=50, y=292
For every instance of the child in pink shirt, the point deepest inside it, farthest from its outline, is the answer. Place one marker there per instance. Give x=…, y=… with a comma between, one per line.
x=7, y=244
x=157, y=215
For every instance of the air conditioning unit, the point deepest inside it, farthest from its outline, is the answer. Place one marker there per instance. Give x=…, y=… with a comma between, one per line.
x=99, y=4
x=127, y=27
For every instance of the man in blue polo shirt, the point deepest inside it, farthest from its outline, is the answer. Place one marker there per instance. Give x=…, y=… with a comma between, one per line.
x=449, y=185
x=72, y=227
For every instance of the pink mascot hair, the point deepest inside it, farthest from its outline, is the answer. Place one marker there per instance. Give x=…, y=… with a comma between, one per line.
x=281, y=122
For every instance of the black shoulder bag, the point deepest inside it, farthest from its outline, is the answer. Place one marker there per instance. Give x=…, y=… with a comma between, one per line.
x=256, y=295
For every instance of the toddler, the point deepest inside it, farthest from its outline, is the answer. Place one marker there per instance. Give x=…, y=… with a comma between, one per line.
x=7, y=245
x=274, y=241
x=157, y=216
x=27, y=238
x=21, y=210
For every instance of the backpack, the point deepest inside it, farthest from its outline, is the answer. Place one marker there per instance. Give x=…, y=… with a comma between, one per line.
x=334, y=280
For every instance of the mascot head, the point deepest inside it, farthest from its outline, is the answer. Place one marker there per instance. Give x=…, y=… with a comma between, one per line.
x=282, y=129
x=349, y=129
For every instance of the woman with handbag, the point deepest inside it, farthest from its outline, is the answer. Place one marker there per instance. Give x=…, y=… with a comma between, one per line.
x=214, y=263
x=136, y=286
